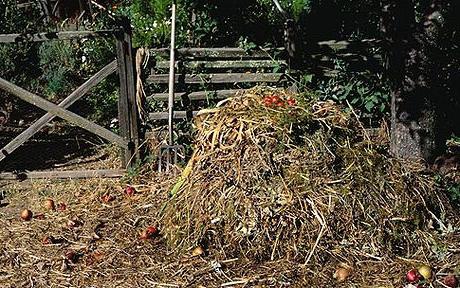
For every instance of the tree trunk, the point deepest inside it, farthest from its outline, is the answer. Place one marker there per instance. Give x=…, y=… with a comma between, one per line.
x=417, y=115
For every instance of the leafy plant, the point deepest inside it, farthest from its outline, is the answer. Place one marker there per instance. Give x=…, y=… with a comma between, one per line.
x=295, y=8
x=365, y=91
x=59, y=66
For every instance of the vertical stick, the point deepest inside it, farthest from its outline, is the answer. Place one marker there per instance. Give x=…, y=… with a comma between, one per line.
x=171, y=74
x=127, y=107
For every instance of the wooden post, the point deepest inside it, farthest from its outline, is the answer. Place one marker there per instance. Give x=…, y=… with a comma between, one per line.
x=128, y=115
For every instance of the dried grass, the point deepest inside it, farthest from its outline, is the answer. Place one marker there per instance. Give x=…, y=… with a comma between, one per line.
x=276, y=197
x=302, y=183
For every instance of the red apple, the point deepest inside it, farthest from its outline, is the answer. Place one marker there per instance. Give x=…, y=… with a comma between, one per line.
x=291, y=101
x=412, y=276
x=152, y=230
x=106, y=198
x=450, y=281
x=129, y=190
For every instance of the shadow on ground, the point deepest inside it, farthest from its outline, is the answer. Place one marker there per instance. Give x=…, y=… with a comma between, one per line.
x=48, y=150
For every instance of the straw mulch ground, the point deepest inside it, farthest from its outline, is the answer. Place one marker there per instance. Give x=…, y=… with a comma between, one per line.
x=273, y=196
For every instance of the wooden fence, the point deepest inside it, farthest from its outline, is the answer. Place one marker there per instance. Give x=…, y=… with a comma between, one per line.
x=128, y=139
x=218, y=73
x=201, y=72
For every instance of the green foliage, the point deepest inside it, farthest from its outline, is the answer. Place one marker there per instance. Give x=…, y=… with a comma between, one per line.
x=299, y=7
x=365, y=91
x=295, y=8
x=450, y=186
x=14, y=19
x=453, y=190
x=59, y=66
x=150, y=19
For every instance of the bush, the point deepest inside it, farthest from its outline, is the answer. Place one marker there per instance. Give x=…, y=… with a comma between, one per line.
x=367, y=92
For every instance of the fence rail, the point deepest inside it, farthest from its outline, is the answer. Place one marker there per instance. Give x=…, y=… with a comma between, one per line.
x=128, y=113
x=64, y=35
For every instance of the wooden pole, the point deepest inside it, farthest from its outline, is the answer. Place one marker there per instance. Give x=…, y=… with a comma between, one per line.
x=172, y=75
x=128, y=115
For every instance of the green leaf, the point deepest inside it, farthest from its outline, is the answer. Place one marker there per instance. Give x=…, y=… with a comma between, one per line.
x=369, y=106
x=307, y=78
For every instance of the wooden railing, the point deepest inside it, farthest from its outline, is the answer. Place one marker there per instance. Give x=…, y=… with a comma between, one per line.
x=231, y=68
x=221, y=70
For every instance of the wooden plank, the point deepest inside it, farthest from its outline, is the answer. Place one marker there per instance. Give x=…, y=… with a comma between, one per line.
x=107, y=173
x=127, y=104
x=64, y=35
x=25, y=5
x=67, y=102
x=164, y=115
x=61, y=112
x=221, y=64
x=218, y=78
x=231, y=52
x=329, y=45
x=199, y=95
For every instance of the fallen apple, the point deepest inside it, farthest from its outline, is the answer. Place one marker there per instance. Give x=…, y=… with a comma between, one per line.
x=152, y=230
x=425, y=271
x=450, y=281
x=341, y=274
x=412, y=276
x=49, y=204
x=129, y=190
x=26, y=215
x=106, y=198
x=267, y=101
x=149, y=233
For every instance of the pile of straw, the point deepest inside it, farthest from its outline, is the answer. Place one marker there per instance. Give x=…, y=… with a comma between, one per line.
x=303, y=183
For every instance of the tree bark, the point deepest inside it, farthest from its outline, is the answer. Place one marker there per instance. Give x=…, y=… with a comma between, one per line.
x=418, y=129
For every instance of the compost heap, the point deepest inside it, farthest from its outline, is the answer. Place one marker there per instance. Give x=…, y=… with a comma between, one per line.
x=275, y=175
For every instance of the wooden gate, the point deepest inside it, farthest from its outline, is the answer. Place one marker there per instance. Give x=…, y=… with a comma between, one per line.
x=128, y=116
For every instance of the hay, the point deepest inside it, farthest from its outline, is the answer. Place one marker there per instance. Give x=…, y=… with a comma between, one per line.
x=267, y=191
x=302, y=183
